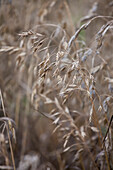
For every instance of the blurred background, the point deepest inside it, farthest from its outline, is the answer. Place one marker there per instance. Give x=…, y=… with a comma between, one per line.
x=36, y=146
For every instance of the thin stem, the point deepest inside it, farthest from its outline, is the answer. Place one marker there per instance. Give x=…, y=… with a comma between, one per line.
x=11, y=149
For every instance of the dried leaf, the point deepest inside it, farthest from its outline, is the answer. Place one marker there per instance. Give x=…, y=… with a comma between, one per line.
x=94, y=129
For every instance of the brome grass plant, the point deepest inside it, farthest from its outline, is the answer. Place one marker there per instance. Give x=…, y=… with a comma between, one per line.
x=56, y=86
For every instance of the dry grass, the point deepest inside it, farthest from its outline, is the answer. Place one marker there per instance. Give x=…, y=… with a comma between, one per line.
x=56, y=86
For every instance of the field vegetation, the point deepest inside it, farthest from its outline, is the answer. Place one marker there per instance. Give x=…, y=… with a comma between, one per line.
x=56, y=84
